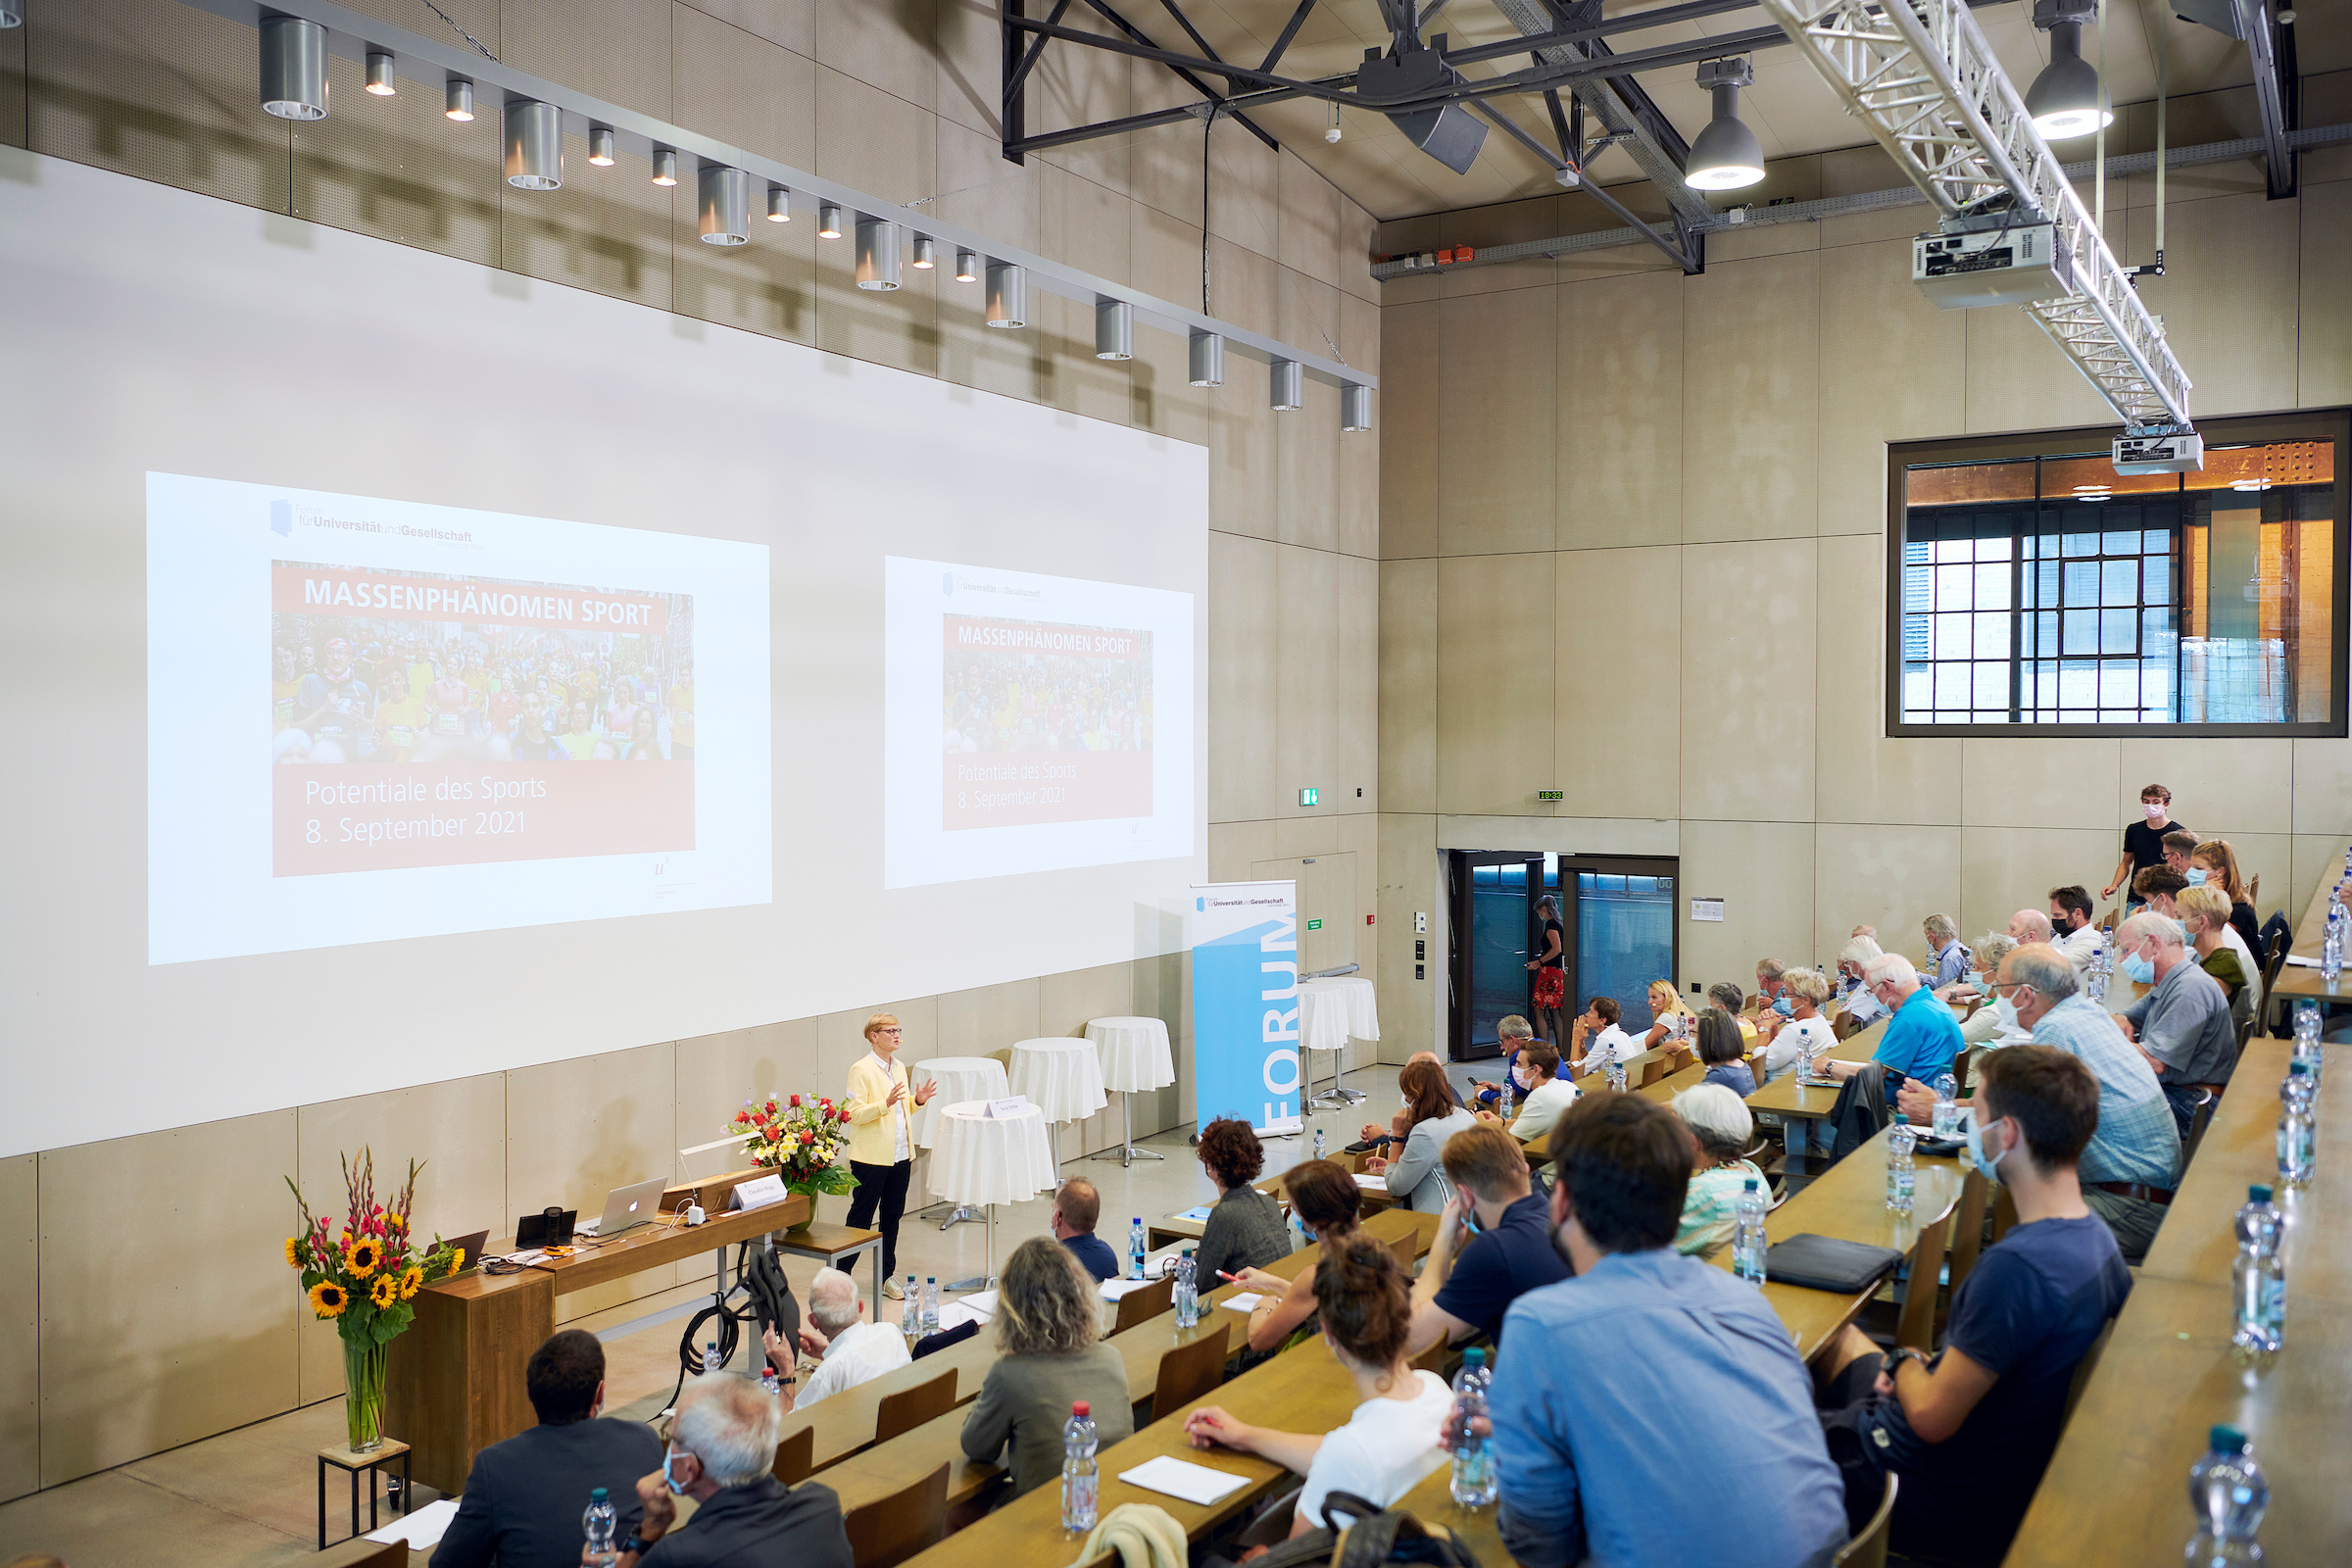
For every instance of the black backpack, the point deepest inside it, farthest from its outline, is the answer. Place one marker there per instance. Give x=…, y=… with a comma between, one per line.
x=1371, y=1537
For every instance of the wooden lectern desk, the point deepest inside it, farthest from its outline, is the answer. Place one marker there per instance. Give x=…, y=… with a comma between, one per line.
x=453, y=1383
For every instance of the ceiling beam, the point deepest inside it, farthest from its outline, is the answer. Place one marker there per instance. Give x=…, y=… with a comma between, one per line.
x=2273, y=90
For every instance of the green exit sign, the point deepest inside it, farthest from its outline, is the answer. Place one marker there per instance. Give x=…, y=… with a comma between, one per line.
x=1314, y=925
x=1551, y=794
x=1309, y=796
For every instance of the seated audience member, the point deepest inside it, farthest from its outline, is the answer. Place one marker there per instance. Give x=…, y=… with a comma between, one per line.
x=1245, y=1229
x=1380, y=1138
x=1509, y=1254
x=1594, y=1040
x=1921, y=1039
x=1994, y=1022
x=854, y=1350
x=2182, y=1024
x=1390, y=1442
x=1648, y=1359
x=1970, y=1431
x=2179, y=844
x=1949, y=952
x=1077, y=1210
x=1807, y=992
x=1544, y=1091
x=2030, y=925
x=2156, y=888
x=1721, y=1132
x=1854, y=998
x=1329, y=1204
x=1725, y=1052
x=2205, y=913
x=1771, y=985
x=523, y=1497
x=722, y=1453
x=2074, y=933
x=2218, y=863
x=1725, y=995
x=1430, y=1119
x=2133, y=1161
x=2144, y=842
x=1048, y=1311
x=1513, y=1033
x=1670, y=1017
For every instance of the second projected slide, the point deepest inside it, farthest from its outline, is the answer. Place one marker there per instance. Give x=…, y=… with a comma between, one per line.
x=1034, y=724
x=475, y=720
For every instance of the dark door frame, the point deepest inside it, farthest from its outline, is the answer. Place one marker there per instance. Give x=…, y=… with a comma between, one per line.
x=1458, y=864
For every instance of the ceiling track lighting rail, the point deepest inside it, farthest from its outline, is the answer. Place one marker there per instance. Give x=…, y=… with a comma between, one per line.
x=336, y=30
x=1921, y=77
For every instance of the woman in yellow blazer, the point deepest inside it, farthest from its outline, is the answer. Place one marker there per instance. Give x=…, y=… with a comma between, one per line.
x=882, y=1140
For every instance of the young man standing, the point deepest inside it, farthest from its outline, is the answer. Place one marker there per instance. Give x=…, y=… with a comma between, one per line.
x=2144, y=842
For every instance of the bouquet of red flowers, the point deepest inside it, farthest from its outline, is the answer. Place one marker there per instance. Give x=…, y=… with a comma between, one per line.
x=800, y=1137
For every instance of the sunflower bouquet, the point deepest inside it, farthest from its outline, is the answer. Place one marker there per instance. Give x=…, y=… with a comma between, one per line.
x=365, y=1280
x=800, y=1137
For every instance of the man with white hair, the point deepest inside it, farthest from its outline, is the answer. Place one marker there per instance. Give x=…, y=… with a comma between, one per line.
x=2182, y=1025
x=1922, y=1036
x=854, y=1350
x=722, y=1453
x=1943, y=943
x=1854, y=998
x=2027, y=926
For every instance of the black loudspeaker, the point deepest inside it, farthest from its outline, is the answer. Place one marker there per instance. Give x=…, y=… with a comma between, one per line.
x=1451, y=133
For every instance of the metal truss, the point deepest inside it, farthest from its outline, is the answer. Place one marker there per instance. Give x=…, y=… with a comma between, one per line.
x=1920, y=75
x=2271, y=53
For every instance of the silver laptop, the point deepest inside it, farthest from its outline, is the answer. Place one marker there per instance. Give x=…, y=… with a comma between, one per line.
x=629, y=1206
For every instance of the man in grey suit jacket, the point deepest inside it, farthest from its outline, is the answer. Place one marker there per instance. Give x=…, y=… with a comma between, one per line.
x=524, y=1497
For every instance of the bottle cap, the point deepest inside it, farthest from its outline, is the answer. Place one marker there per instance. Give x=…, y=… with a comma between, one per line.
x=1473, y=1359
x=1083, y=1408
x=2258, y=1194
x=599, y=1495
x=2228, y=1440
x=1750, y=1184
x=930, y=1279
x=1900, y=1118
x=2296, y=1066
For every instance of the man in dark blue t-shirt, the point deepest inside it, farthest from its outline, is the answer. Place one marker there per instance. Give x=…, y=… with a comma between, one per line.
x=1076, y=1209
x=1509, y=1251
x=1971, y=1430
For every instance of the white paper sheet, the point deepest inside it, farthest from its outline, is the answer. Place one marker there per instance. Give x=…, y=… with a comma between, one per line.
x=1372, y=1183
x=422, y=1529
x=1247, y=1301
x=1194, y=1482
x=1112, y=1289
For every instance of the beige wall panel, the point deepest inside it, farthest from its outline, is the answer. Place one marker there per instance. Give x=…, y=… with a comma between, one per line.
x=1407, y=405
x=400, y=170
x=2006, y=869
x=1243, y=199
x=1244, y=699
x=1244, y=288
x=21, y=1321
x=1325, y=672
x=2323, y=786
x=1887, y=876
x=1352, y=721
x=1410, y=1007
x=1497, y=380
x=975, y=1022
x=869, y=139
x=891, y=45
x=2043, y=783
x=1621, y=412
x=1166, y=254
x=1875, y=225
x=1408, y=685
x=2323, y=351
x=613, y=235
x=1763, y=873
x=1308, y=221
x=1747, y=679
x=1765, y=240
x=985, y=192
x=718, y=1073
x=2318, y=861
x=742, y=89
x=1750, y=338
x=970, y=90
x=1160, y=398
x=1307, y=449
x=1163, y=162
x=455, y=1130
x=617, y=50
x=1617, y=716
x=1864, y=774
x=1495, y=683
x=2236, y=340
x=161, y=1345
x=1066, y=1002
x=767, y=286
x=1563, y=835
x=1074, y=85
x=1004, y=202
x=1087, y=225
x=577, y=1129
x=2247, y=783
x=1357, y=225
x=1893, y=369
x=790, y=23
x=2018, y=380
x=1235, y=847
x=1244, y=456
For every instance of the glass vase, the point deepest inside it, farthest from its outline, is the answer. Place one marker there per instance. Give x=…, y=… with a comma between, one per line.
x=364, y=1393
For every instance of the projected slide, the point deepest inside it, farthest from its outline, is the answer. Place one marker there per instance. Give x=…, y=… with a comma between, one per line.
x=475, y=720
x=1034, y=724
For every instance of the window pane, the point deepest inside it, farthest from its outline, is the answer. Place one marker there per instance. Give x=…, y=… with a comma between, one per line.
x=1993, y=585
x=1951, y=686
x=1992, y=637
x=1993, y=685
x=1951, y=637
x=2082, y=631
x=1952, y=585
x=2078, y=683
x=1915, y=637
x=2082, y=582
x=2121, y=543
x=2119, y=582
x=2082, y=544
x=1919, y=588
x=2118, y=684
x=2119, y=631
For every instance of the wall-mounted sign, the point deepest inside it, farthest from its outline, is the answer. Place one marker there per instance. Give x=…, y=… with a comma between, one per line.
x=1314, y=925
x=1706, y=909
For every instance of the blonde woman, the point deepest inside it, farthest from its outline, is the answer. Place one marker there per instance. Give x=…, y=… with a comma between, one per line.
x=2205, y=913
x=1666, y=1006
x=1046, y=1317
x=881, y=1105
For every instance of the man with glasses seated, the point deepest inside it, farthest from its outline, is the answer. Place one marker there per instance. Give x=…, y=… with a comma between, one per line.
x=1920, y=1037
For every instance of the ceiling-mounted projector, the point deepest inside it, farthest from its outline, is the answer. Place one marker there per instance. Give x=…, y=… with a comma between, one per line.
x=2010, y=265
x=2181, y=453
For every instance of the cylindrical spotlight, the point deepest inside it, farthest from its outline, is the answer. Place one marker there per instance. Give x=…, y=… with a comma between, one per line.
x=379, y=74
x=293, y=68
x=1115, y=329
x=1289, y=384
x=1007, y=295
x=828, y=221
x=967, y=265
x=600, y=146
x=779, y=205
x=534, y=146
x=1355, y=407
x=461, y=99
x=666, y=166
x=877, y=254
x=726, y=200
x=926, y=256
x=1727, y=155
x=1208, y=360
x=2064, y=100
x=12, y=14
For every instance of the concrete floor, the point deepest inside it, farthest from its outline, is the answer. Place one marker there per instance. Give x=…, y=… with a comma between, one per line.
x=249, y=1497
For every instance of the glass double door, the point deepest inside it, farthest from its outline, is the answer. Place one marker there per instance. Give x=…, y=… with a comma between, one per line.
x=1620, y=935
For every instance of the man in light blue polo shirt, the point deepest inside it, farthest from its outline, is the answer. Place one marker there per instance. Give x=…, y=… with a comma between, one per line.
x=1922, y=1038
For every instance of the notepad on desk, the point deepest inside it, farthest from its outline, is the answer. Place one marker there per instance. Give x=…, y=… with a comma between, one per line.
x=1194, y=1482
x=422, y=1530
x=1200, y=1214
x=1112, y=1289
x=1247, y=1301
x=1372, y=1183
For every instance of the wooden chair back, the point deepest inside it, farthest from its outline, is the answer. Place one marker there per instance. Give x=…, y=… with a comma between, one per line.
x=2254, y=890
x=1141, y=1306
x=1651, y=1071
x=910, y=1408
x=2199, y=1119
x=1869, y=1549
x=1402, y=1249
x=889, y=1530
x=795, y=1457
x=1968, y=1227
x=2004, y=1212
x=2083, y=1371
x=2271, y=967
x=1915, y=1324
x=1187, y=1374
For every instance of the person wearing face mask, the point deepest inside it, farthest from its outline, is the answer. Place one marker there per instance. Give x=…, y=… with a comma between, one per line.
x=1995, y=1022
x=1546, y=1092
x=1513, y=1033
x=2182, y=1024
x=2156, y=888
x=1492, y=1244
x=2132, y=1160
x=2179, y=844
x=2205, y=915
x=2073, y=932
x=2144, y=842
x=722, y=1453
x=2030, y=925
x=1950, y=953
x=1971, y=1429
x=1922, y=1036
x=1807, y=992
x=1772, y=987
x=1854, y=998
x=2214, y=865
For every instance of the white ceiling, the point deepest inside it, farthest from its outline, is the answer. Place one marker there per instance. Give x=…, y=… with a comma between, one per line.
x=1790, y=108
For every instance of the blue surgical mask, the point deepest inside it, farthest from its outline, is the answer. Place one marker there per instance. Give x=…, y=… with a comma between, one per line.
x=1976, y=1149
x=1782, y=1006
x=2196, y=876
x=669, y=1455
x=2138, y=971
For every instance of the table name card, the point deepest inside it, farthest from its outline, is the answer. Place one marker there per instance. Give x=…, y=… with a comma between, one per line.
x=1010, y=1106
x=759, y=1191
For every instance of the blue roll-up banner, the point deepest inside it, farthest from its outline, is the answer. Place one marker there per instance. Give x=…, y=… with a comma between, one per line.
x=1245, y=942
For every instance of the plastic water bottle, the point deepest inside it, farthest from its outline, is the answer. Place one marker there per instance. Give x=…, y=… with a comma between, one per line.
x=1474, y=1479
x=1187, y=1293
x=1616, y=1073
x=1804, y=1053
x=1318, y=1143
x=1748, y=1234
x=2258, y=1280
x=2228, y=1490
x=2307, y=1040
x=1080, y=1475
x=710, y=1357
x=1901, y=1172
x=911, y=1311
x=2094, y=976
x=2331, y=945
x=2295, y=1129
x=601, y=1521
x=930, y=1304
x=770, y=1384
x=1505, y=1104
x=1137, y=1251
x=1947, y=1106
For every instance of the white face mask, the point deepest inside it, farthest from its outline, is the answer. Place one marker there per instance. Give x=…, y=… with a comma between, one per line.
x=2005, y=1012
x=2155, y=813
x=1519, y=1077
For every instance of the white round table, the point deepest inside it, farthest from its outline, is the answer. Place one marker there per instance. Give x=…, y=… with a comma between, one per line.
x=986, y=1160
x=1331, y=1014
x=959, y=1078
x=1136, y=1059
x=1061, y=1078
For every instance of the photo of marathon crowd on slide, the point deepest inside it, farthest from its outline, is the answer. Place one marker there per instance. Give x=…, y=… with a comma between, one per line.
x=999, y=700
x=361, y=690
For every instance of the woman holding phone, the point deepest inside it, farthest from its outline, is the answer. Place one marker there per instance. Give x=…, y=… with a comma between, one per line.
x=882, y=1139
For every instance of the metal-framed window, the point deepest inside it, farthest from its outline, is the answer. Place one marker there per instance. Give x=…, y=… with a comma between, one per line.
x=2030, y=587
